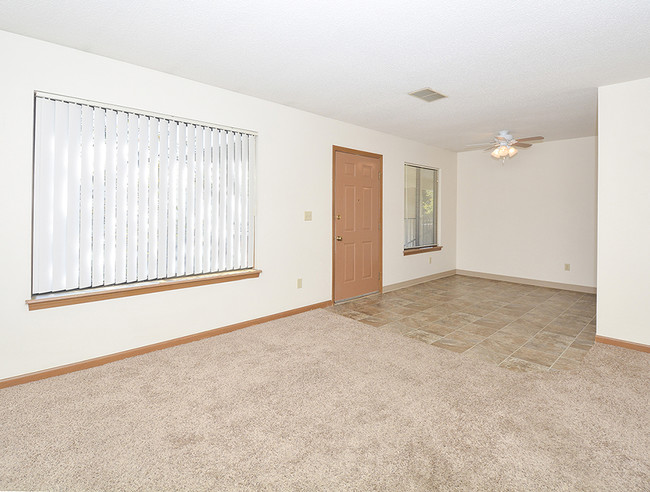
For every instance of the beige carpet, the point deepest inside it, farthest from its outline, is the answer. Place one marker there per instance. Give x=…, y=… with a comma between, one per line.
x=322, y=402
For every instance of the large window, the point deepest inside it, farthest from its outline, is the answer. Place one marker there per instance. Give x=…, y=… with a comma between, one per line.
x=122, y=197
x=420, y=207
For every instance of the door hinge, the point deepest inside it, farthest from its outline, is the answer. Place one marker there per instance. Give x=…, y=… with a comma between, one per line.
x=379, y=175
x=380, y=226
x=379, y=275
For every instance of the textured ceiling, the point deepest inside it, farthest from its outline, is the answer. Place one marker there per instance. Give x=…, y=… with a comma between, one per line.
x=530, y=67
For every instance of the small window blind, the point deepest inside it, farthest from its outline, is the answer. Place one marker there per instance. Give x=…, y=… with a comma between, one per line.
x=123, y=197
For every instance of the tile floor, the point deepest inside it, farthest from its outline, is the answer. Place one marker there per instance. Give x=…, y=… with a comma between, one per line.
x=518, y=327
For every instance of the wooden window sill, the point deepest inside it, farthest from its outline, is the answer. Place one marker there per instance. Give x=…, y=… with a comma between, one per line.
x=66, y=298
x=416, y=251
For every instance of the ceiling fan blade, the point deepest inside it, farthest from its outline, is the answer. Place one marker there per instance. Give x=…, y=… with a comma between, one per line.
x=522, y=145
x=490, y=148
x=528, y=139
x=500, y=138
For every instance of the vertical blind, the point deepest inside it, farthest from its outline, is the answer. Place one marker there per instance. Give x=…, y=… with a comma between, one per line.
x=123, y=197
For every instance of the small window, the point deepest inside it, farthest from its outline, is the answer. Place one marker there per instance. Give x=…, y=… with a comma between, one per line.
x=420, y=207
x=122, y=196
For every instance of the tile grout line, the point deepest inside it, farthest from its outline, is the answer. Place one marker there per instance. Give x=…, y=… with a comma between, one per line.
x=542, y=329
x=574, y=338
x=494, y=310
x=505, y=326
x=486, y=315
x=583, y=329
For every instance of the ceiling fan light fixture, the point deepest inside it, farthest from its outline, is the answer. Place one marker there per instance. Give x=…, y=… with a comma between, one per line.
x=504, y=144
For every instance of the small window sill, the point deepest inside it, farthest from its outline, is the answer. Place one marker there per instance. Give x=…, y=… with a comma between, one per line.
x=113, y=292
x=416, y=251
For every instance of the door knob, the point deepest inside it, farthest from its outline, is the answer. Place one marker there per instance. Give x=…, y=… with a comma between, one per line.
x=339, y=238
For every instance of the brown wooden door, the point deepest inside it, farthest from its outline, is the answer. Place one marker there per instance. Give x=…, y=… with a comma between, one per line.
x=357, y=223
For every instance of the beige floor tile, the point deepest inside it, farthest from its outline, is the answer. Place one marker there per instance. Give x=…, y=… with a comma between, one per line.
x=403, y=310
x=484, y=331
x=453, y=344
x=493, y=304
x=425, y=318
x=354, y=315
x=521, y=328
x=438, y=329
x=485, y=354
x=463, y=336
x=423, y=336
x=574, y=353
x=539, y=320
x=421, y=305
x=401, y=326
x=390, y=315
x=561, y=329
x=477, y=310
x=535, y=356
x=565, y=364
x=547, y=309
x=504, y=342
x=582, y=345
x=369, y=310
x=590, y=328
x=522, y=365
x=400, y=301
x=549, y=342
x=501, y=315
x=375, y=321
x=516, y=309
x=440, y=310
x=457, y=320
x=491, y=323
x=585, y=340
x=474, y=298
x=568, y=317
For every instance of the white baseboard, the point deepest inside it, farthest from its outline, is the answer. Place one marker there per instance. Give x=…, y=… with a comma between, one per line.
x=420, y=280
x=491, y=276
x=529, y=281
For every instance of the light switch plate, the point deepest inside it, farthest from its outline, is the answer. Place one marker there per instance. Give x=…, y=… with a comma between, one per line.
x=308, y=216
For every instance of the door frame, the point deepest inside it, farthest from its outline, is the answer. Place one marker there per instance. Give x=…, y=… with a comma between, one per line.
x=335, y=149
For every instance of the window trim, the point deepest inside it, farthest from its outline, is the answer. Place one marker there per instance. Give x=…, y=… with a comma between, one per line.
x=429, y=247
x=92, y=294
x=423, y=249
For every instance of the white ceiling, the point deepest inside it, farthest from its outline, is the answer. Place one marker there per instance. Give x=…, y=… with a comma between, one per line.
x=530, y=67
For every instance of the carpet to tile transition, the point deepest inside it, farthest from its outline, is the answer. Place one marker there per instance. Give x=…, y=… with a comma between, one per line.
x=322, y=402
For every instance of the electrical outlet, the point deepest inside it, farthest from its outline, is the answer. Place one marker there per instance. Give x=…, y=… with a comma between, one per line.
x=307, y=216
x=299, y=283
x=567, y=267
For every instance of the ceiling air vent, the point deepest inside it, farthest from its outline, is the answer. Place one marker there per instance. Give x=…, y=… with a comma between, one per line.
x=427, y=95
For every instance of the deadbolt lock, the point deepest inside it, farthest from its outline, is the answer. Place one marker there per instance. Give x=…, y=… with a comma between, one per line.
x=339, y=238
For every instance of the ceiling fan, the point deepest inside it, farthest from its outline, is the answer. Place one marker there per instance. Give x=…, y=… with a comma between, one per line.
x=505, y=145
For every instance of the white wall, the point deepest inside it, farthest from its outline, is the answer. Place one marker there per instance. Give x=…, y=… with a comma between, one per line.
x=530, y=216
x=624, y=211
x=294, y=175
